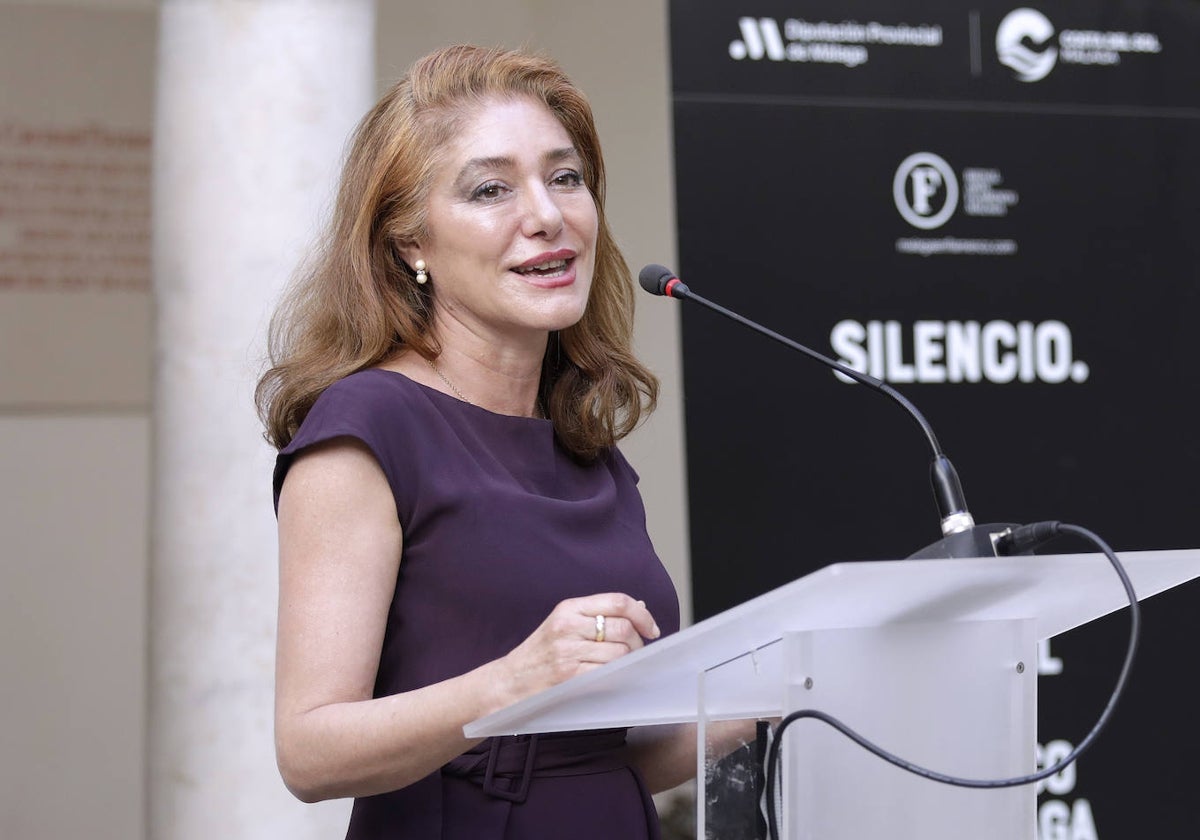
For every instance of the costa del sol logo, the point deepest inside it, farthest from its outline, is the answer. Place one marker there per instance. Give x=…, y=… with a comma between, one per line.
x=925, y=189
x=1030, y=63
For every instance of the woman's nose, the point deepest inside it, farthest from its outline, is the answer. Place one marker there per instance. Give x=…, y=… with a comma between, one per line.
x=543, y=216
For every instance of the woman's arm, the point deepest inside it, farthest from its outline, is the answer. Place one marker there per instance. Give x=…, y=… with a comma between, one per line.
x=666, y=755
x=339, y=549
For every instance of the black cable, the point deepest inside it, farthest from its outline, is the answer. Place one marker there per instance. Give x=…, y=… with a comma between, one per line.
x=1016, y=539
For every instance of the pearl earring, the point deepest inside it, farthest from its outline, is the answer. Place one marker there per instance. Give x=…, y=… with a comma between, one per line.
x=422, y=274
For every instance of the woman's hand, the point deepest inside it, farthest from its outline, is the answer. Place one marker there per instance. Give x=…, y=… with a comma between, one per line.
x=569, y=642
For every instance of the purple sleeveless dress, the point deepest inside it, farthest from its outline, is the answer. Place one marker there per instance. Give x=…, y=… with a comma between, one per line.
x=500, y=524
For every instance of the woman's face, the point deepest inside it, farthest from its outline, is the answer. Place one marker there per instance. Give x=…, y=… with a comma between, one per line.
x=511, y=238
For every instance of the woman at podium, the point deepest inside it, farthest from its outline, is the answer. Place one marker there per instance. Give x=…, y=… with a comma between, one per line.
x=450, y=375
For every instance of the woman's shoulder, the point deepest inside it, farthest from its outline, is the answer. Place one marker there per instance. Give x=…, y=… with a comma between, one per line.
x=379, y=408
x=371, y=385
x=366, y=404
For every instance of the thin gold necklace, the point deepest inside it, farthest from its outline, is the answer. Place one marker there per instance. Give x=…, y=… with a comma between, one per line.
x=449, y=384
x=537, y=406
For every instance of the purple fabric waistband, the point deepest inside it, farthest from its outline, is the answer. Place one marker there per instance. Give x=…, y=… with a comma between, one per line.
x=504, y=766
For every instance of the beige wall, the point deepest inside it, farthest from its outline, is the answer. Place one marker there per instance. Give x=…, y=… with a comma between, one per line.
x=74, y=449
x=74, y=424
x=73, y=626
x=63, y=71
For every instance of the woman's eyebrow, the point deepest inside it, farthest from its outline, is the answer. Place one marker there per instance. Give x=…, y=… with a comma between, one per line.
x=565, y=153
x=483, y=164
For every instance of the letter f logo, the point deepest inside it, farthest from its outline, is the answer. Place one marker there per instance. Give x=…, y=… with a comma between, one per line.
x=925, y=190
x=926, y=181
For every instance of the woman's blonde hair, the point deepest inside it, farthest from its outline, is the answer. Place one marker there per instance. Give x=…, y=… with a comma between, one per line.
x=355, y=303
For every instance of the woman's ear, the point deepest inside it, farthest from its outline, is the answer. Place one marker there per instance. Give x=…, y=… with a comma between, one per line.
x=409, y=251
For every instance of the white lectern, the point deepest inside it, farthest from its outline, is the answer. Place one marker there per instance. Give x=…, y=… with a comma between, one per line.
x=934, y=660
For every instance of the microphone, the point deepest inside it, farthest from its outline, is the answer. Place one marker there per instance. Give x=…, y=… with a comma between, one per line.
x=961, y=537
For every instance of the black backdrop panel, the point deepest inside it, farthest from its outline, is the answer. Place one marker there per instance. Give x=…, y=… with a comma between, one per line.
x=995, y=209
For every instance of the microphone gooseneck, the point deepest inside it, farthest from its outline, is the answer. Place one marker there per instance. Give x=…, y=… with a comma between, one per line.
x=948, y=494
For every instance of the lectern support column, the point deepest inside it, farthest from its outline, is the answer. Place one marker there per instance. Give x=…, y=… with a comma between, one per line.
x=956, y=697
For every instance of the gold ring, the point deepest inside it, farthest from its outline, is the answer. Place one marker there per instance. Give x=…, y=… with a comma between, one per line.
x=599, y=628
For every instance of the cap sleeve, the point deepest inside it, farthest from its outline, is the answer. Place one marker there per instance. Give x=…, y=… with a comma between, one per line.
x=352, y=407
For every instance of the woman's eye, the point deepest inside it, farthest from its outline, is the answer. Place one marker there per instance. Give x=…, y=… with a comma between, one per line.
x=490, y=190
x=567, y=178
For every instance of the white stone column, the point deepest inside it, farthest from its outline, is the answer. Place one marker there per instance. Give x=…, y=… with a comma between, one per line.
x=255, y=101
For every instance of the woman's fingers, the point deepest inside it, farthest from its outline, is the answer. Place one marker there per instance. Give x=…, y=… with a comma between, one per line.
x=615, y=610
x=580, y=634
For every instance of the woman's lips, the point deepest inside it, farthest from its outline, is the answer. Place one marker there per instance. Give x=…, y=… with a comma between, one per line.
x=549, y=274
x=549, y=270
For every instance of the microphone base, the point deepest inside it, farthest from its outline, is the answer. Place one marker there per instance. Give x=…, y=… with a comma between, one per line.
x=979, y=541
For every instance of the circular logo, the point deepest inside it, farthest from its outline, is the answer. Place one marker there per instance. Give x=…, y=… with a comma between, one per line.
x=1018, y=26
x=925, y=190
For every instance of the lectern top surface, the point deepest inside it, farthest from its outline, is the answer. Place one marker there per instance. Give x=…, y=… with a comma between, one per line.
x=658, y=684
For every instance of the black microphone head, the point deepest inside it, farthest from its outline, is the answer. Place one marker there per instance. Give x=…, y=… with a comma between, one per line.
x=654, y=278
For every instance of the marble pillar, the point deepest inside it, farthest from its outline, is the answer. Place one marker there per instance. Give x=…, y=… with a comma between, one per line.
x=255, y=101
